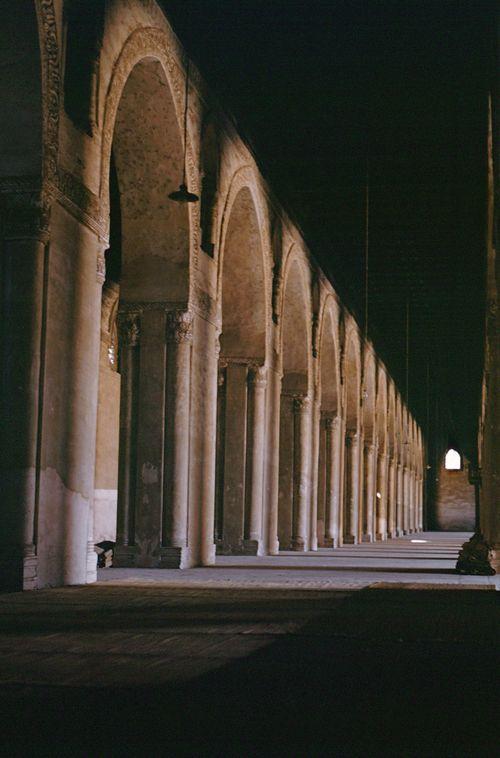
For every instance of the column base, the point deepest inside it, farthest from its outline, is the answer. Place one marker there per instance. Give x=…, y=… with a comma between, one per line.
x=381, y=537
x=274, y=547
x=245, y=547
x=326, y=542
x=130, y=556
x=18, y=569
x=367, y=538
x=350, y=539
x=298, y=545
x=91, y=563
x=392, y=535
x=478, y=558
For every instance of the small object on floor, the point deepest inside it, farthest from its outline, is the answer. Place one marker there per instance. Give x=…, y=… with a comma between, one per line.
x=104, y=552
x=474, y=557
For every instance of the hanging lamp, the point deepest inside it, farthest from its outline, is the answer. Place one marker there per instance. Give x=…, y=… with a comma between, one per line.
x=182, y=195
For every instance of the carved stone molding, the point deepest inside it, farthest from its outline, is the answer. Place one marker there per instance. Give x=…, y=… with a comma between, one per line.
x=51, y=86
x=129, y=328
x=179, y=326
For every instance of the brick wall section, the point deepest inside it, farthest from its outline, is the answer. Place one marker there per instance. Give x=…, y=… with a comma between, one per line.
x=455, y=505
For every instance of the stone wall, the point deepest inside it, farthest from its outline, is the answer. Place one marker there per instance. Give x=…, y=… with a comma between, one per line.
x=455, y=505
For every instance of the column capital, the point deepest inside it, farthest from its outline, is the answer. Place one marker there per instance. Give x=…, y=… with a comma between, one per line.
x=179, y=326
x=257, y=376
x=129, y=328
x=301, y=403
x=369, y=447
x=351, y=436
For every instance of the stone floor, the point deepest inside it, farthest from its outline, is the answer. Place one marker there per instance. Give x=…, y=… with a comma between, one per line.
x=290, y=656
x=427, y=558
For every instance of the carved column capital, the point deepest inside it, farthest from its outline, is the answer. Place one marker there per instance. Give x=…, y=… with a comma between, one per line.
x=257, y=376
x=129, y=328
x=369, y=448
x=301, y=403
x=327, y=419
x=179, y=326
x=351, y=437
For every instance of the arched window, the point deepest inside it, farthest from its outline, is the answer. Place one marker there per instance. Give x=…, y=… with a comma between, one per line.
x=453, y=460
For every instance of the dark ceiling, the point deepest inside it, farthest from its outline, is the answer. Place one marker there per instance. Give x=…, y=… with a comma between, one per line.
x=323, y=90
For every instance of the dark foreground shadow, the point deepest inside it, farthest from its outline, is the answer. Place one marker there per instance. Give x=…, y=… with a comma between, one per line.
x=384, y=672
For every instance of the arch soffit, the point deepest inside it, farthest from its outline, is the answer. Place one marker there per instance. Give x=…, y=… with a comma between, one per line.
x=329, y=313
x=352, y=345
x=295, y=256
x=382, y=410
x=156, y=44
x=369, y=400
x=245, y=177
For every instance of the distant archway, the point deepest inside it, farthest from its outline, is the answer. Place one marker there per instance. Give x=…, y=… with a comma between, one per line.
x=148, y=274
x=352, y=378
x=329, y=439
x=241, y=395
x=295, y=413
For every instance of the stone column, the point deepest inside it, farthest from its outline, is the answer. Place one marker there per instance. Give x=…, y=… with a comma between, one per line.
x=369, y=478
x=23, y=298
x=327, y=479
x=207, y=507
x=178, y=383
x=333, y=530
x=302, y=473
x=270, y=533
x=381, y=497
x=406, y=500
x=313, y=517
x=257, y=382
x=399, y=500
x=351, y=496
x=79, y=559
x=129, y=334
x=391, y=499
x=420, y=504
x=235, y=449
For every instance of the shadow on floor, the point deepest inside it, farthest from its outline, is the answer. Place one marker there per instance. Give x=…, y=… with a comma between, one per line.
x=377, y=672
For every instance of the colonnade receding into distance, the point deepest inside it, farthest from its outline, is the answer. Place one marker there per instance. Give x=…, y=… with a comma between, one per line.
x=196, y=373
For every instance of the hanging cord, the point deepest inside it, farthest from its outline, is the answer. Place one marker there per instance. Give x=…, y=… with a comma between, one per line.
x=367, y=242
x=408, y=351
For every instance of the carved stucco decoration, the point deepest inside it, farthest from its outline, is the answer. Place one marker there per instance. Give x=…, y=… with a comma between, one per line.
x=154, y=43
x=51, y=89
x=179, y=326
